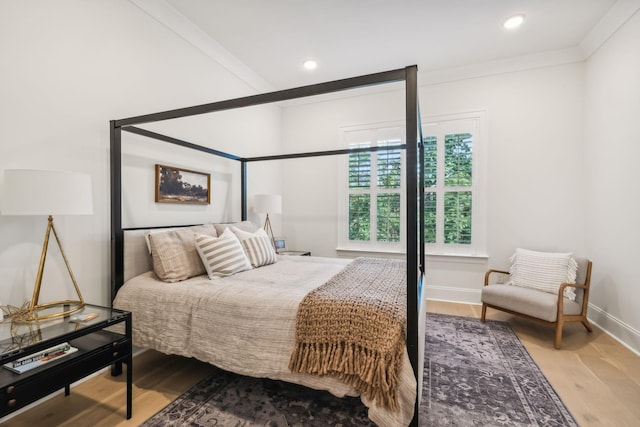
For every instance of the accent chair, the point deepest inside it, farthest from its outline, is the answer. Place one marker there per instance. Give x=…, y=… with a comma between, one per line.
x=549, y=308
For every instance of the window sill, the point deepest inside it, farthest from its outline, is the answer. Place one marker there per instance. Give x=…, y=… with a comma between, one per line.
x=433, y=257
x=466, y=258
x=355, y=252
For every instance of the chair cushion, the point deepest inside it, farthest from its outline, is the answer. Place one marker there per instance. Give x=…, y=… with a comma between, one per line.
x=544, y=271
x=532, y=302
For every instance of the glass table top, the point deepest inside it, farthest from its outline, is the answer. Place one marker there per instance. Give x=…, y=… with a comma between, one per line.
x=16, y=336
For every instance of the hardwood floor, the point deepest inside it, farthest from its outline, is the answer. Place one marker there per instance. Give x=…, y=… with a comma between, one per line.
x=596, y=377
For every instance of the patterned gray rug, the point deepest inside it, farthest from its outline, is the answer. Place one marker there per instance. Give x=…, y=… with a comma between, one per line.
x=480, y=374
x=475, y=375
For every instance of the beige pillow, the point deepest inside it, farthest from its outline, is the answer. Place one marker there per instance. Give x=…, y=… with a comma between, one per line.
x=257, y=246
x=222, y=256
x=544, y=271
x=174, y=252
x=242, y=225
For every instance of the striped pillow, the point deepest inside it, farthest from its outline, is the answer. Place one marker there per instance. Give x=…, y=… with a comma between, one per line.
x=259, y=250
x=222, y=256
x=544, y=271
x=257, y=246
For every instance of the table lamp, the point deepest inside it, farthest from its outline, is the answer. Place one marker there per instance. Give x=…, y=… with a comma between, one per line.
x=268, y=203
x=42, y=192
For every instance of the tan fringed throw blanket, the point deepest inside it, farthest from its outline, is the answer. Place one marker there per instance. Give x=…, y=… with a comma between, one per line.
x=353, y=328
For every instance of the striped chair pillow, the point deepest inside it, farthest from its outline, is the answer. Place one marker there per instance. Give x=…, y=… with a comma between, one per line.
x=544, y=271
x=222, y=256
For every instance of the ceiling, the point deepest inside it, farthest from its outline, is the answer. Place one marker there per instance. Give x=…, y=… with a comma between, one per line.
x=266, y=42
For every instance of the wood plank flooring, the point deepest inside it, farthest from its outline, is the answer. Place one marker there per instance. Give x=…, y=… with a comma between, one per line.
x=596, y=377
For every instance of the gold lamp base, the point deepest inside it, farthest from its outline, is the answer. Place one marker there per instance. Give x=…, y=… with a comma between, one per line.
x=267, y=228
x=68, y=306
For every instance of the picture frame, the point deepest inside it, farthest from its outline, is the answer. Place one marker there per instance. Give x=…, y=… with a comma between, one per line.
x=182, y=186
x=281, y=244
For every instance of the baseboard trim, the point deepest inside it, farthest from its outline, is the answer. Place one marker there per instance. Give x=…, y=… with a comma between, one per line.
x=617, y=329
x=452, y=294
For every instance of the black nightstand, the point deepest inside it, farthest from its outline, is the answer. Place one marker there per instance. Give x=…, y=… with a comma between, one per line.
x=295, y=253
x=98, y=347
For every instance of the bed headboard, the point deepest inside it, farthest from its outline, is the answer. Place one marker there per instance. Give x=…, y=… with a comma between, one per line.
x=137, y=258
x=137, y=255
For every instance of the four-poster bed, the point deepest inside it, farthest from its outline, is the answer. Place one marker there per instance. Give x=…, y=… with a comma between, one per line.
x=414, y=211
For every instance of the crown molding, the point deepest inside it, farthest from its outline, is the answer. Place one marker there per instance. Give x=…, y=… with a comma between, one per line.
x=508, y=65
x=616, y=17
x=168, y=16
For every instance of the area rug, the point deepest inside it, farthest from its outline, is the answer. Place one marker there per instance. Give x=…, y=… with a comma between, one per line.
x=480, y=374
x=475, y=374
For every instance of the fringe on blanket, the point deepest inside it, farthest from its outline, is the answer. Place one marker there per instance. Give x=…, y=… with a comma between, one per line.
x=353, y=328
x=372, y=373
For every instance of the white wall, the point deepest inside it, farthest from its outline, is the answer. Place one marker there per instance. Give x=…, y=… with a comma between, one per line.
x=612, y=142
x=535, y=175
x=535, y=168
x=309, y=201
x=70, y=66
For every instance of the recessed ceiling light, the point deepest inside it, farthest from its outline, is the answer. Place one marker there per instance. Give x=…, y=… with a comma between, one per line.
x=310, y=64
x=513, y=22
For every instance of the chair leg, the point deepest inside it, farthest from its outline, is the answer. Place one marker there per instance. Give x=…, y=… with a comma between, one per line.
x=587, y=325
x=484, y=313
x=558, y=340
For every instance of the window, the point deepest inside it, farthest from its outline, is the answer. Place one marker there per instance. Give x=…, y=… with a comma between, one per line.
x=455, y=191
x=453, y=213
x=375, y=207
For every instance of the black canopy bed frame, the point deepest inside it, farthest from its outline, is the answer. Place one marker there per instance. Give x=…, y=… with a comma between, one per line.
x=414, y=175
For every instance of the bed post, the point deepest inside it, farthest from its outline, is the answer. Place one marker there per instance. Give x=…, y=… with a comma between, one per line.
x=243, y=188
x=421, y=249
x=411, y=110
x=117, y=235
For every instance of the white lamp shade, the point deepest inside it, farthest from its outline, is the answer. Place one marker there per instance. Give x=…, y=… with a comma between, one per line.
x=41, y=192
x=267, y=203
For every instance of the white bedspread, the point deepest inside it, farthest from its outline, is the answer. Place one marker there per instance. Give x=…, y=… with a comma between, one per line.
x=244, y=323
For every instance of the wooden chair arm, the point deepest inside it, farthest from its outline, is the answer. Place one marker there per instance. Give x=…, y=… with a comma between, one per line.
x=573, y=285
x=561, y=294
x=488, y=273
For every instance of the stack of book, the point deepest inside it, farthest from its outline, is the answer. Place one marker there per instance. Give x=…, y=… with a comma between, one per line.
x=40, y=358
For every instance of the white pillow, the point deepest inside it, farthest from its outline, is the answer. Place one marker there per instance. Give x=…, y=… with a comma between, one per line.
x=544, y=271
x=257, y=246
x=222, y=256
